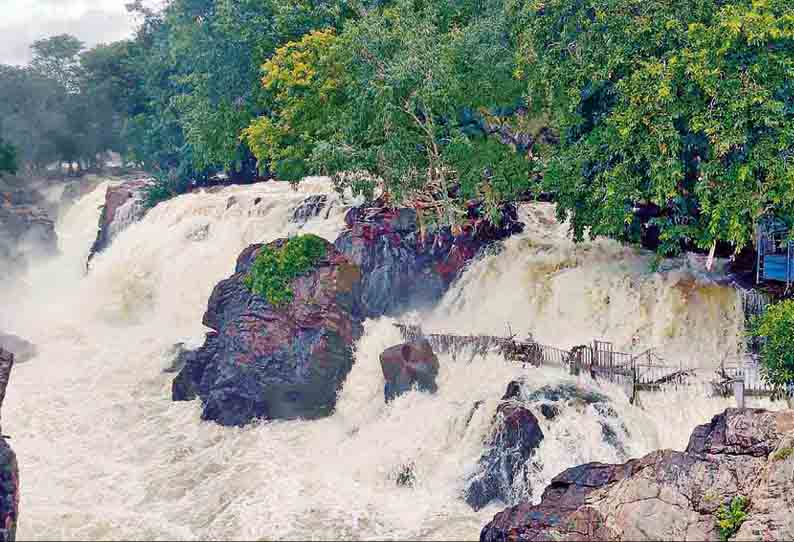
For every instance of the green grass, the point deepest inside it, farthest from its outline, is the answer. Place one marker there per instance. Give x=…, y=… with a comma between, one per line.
x=275, y=268
x=782, y=454
x=730, y=517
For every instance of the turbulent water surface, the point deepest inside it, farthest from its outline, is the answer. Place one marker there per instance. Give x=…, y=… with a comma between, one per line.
x=105, y=454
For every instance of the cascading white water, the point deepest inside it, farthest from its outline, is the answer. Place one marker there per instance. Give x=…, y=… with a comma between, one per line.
x=105, y=454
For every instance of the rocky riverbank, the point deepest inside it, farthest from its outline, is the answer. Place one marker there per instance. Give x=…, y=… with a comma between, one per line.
x=742, y=456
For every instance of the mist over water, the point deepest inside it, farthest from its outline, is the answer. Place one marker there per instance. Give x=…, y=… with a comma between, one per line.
x=105, y=454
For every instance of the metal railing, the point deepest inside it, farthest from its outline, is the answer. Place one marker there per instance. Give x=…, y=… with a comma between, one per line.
x=643, y=371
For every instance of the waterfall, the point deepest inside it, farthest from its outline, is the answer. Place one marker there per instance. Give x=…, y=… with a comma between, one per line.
x=105, y=454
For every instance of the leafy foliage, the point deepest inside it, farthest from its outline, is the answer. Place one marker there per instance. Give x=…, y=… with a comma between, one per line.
x=686, y=105
x=782, y=454
x=731, y=517
x=8, y=158
x=305, y=84
x=275, y=268
x=777, y=348
x=406, y=96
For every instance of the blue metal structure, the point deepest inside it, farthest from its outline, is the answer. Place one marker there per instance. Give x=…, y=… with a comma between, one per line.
x=775, y=248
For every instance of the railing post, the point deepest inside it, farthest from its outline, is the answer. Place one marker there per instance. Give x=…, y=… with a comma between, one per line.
x=738, y=391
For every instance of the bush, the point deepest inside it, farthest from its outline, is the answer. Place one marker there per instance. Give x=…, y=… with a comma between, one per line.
x=782, y=454
x=275, y=268
x=777, y=349
x=731, y=517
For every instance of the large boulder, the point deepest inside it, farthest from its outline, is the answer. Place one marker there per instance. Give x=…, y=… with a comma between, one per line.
x=407, y=365
x=401, y=268
x=264, y=361
x=514, y=439
x=23, y=350
x=670, y=495
x=124, y=205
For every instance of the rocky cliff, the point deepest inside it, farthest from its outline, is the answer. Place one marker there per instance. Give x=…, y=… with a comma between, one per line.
x=124, y=205
x=402, y=266
x=275, y=362
x=742, y=456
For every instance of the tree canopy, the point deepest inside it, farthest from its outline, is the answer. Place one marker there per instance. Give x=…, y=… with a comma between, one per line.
x=688, y=106
x=8, y=158
x=632, y=115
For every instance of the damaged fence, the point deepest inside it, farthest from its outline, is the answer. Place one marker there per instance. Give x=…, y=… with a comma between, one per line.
x=637, y=372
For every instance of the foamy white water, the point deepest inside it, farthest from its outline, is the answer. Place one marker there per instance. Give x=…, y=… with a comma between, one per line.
x=105, y=454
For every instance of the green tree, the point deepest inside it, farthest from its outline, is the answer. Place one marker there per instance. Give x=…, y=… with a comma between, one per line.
x=58, y=58
x=777, y=348
x=409, y=96
x=8, y=159
x=687, y=105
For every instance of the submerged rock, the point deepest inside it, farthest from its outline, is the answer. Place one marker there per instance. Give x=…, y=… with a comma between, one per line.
x=23, y=350
x=401, y=269
x=514, y=439
x=407, y=365
x=567, y=393
x=549, y=411
x=263, y=361
x=309, y=208
x=124, y=205
x=670, y=495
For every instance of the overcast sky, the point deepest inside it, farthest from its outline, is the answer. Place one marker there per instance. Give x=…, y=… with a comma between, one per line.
x=92, y=21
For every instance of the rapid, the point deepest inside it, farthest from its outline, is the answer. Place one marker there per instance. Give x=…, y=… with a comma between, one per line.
x=105, y=454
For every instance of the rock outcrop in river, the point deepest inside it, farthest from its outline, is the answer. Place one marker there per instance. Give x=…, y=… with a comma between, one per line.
x=670, y=495
x=400, y=267
x=264, y=361
x=124, y=205
x=283, y=363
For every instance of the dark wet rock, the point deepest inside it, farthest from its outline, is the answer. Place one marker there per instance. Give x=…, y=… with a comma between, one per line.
x=9, y=471
x=670, y=495
x=176, y=354
x=402, y=269
x=514, y=439
x=124, y=205
x=309, y=208
x=513, y=391
x=268, y=362
x=9, y=492
x=567, y=393
x=549, y=411
x=406, y=476
x=23, y=350
x=407, y=365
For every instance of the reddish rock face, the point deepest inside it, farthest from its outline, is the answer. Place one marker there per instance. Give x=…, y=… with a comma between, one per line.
x=669, y=495
x=409, y=364
x=401, y=269
x=123, y=206
x=272, y=362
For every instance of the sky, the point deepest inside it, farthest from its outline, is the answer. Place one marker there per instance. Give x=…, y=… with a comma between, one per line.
x=92, y=21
